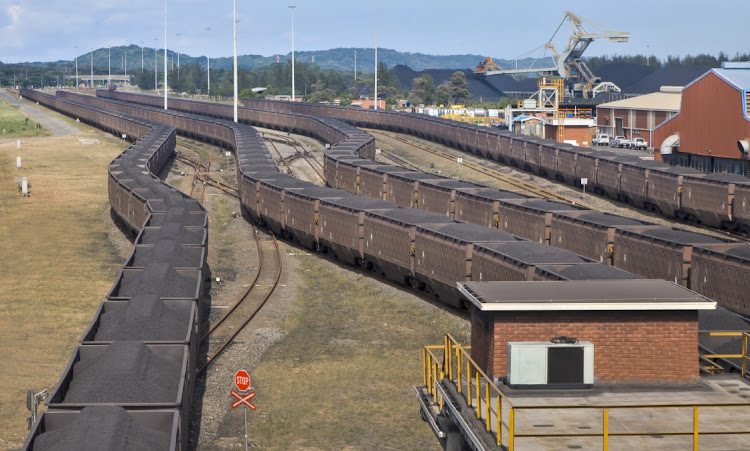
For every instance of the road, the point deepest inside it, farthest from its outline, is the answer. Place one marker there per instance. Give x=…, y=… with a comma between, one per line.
x=58, y=127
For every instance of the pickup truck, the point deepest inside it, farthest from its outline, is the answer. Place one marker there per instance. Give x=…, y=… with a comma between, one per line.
x=619, y=141
x=600, y=140
x=639, y=143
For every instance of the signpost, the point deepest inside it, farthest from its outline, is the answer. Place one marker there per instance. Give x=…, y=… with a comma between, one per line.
x=459, y=161
x=246, y=393
x=584, y=182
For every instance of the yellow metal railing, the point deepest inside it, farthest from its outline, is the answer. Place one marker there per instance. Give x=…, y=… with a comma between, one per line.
x=457, y=366
x=477, y=120
x=713, y=366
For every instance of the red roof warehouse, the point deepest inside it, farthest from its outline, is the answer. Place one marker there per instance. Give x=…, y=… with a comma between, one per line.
x=712, y=129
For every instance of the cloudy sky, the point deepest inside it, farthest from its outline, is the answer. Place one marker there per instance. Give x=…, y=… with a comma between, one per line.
x=46, y=30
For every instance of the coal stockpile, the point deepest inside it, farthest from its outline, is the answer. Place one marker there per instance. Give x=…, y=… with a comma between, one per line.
x=127, y=372
x=159, y=279
x=100, y=428
x=532, y=253
x=609, y=220
x=589, y=271
x=175, y=231
x=168, y=251
x=145, y=318
x=676, y=75
x=681, y=236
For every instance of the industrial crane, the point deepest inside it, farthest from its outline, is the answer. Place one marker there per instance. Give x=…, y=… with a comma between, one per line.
x=568, y=64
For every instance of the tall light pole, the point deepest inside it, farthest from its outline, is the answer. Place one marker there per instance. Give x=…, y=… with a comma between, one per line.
x=208, y=65
x=165, y=55
x=178, y=55
x=125, y=64
x=355, y=66
x=109, y=66
x=156, y=67
x=291, y=8
x=376, y=55
x=76, y=67
x=92, y=67
x=142, y=56
x=234, y=19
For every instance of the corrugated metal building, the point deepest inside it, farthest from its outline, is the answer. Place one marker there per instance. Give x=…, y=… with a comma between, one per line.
x=637, y=117
x=708, y=132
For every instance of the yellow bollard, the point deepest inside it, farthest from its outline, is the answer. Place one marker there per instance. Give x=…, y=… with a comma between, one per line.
x=511, y=428
x=605, y=428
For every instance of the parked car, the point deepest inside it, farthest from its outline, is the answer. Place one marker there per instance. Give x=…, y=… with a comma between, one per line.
x=601, y=140
x=619, y=141
x=639, y=143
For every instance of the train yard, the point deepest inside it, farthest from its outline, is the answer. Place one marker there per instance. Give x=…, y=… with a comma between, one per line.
x=511, y=235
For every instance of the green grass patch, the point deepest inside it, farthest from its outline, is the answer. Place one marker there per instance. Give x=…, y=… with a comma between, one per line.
x=342, y=377
x=15, y=124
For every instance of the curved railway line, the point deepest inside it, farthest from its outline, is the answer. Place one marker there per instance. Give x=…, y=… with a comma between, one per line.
x=223, y=332
x=418, y=247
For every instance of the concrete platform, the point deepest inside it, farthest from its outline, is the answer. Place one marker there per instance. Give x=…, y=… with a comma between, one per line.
x=576, y=417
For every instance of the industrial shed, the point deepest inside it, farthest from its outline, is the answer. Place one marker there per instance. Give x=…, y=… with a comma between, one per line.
x=712, y=129
x=636, y=117
x=640, y=331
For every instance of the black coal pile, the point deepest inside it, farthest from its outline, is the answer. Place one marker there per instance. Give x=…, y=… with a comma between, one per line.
x=127, y=372
x=146, y=318
x=103, y=428
x=159, y=279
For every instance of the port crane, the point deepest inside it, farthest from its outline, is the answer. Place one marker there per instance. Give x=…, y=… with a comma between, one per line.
x=568, y=65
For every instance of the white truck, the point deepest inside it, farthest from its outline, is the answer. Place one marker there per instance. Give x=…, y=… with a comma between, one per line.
x=639, y=143
x=601, y=140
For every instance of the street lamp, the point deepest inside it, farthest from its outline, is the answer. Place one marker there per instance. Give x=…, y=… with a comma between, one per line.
x=165, y=55
x=142, y=56
x=291, y=8
x=109, y=65
x=376, y=55
x=178, y=55
x=76, y=47
x=92, y=67
x=234, y=18
x=156, y=67
x=208, y=65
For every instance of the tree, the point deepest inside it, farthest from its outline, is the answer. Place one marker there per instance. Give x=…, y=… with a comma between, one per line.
x=459, y=87
x=443, y=94
x=423, y=90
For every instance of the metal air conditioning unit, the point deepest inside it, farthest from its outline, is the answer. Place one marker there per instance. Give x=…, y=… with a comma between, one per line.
x=542, y=364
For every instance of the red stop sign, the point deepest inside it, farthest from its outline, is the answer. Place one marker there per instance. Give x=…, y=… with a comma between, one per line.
x=242, y=380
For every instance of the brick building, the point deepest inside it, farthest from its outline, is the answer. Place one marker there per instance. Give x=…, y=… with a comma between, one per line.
x=642, y=331
x=712, y=124
x=637, y=117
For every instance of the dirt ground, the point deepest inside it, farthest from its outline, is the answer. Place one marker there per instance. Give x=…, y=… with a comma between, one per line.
x=56, y=262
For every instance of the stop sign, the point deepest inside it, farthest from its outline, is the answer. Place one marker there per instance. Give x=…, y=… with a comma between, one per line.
x=242, y=380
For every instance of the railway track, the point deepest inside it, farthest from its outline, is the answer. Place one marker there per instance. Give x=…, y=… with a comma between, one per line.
x=300, y=152
x=398, y=160
x=223, y=332
x=518, y=185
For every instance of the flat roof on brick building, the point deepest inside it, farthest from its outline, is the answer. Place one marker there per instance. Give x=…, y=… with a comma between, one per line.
x=603, y=295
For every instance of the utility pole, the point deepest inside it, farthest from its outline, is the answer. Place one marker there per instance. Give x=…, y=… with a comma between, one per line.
x=109, y=66
x=165, y=55
x=178, y=55
x=156, y=70
x=142, y=56
x=291, y=8
x=376, y=55
x=92, y=68
x=76, y=47
x=208, y=65
x=234, y=19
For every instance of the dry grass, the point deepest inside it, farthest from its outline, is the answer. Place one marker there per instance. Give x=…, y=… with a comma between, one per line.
x=342, y=377
x=56, y=263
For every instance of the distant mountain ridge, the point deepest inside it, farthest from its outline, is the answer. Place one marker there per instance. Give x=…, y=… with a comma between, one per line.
x=339, y=58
